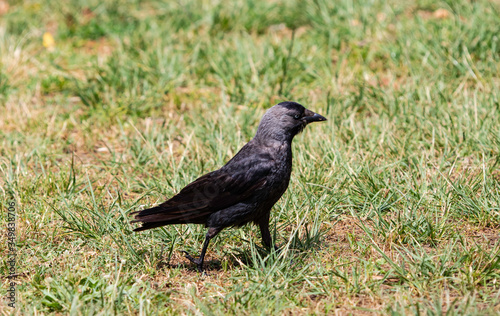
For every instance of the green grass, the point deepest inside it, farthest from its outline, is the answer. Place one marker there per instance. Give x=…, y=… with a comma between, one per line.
x=394, y=202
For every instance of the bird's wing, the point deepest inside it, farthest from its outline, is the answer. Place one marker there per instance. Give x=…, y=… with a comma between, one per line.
x=232, y=184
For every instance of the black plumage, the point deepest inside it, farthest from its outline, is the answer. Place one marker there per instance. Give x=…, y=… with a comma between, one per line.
x=246, y=188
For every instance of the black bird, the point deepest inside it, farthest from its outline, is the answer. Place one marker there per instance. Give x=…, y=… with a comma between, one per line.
x=245, y=189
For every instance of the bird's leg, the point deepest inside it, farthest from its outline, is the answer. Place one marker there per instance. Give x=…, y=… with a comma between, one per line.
x=212, y=232
x=266, y=234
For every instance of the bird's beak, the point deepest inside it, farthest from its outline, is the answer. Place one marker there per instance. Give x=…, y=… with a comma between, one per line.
x=310, y=117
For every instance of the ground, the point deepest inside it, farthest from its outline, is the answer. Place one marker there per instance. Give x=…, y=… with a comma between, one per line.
x=108, y=107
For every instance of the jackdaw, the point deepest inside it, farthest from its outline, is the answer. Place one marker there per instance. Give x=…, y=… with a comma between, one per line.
x=245, y=189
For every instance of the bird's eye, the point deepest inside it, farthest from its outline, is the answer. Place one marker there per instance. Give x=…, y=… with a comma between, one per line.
x=296, y=116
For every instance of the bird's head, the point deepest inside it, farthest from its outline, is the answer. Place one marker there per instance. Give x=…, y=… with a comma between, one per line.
x=285, y=120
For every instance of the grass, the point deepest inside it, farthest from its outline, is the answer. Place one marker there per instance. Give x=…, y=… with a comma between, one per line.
x=394, y=203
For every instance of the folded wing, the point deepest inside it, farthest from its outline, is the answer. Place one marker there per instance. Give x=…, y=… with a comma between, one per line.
x=234, y=183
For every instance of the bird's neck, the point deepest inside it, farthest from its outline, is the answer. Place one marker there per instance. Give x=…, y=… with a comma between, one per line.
x=273, y=139
x=276, y=141
x=270, y=135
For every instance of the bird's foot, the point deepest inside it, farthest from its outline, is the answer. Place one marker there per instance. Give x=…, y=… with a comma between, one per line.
x=198, y=262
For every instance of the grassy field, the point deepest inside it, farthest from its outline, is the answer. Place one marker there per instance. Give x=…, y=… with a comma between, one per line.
x=107, y=107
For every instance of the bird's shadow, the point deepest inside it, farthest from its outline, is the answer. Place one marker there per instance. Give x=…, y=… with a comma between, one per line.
x=237, y=258
x=253, y=256
x=213, y=265
x=293, y=252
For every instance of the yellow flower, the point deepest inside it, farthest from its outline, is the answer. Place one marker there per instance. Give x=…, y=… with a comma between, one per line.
x=48, y=41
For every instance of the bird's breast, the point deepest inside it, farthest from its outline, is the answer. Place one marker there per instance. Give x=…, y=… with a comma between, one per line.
x=280, y=175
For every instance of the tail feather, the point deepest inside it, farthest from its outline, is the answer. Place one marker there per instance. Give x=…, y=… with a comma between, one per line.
x=146, y=212
x=161, y=215
x=146, y=226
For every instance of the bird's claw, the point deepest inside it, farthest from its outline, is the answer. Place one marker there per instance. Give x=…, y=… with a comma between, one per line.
x=198, y=262
x=188, y=256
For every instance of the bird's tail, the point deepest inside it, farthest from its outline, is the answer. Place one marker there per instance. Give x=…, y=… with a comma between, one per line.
x=161, y=215
x=148, y=218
